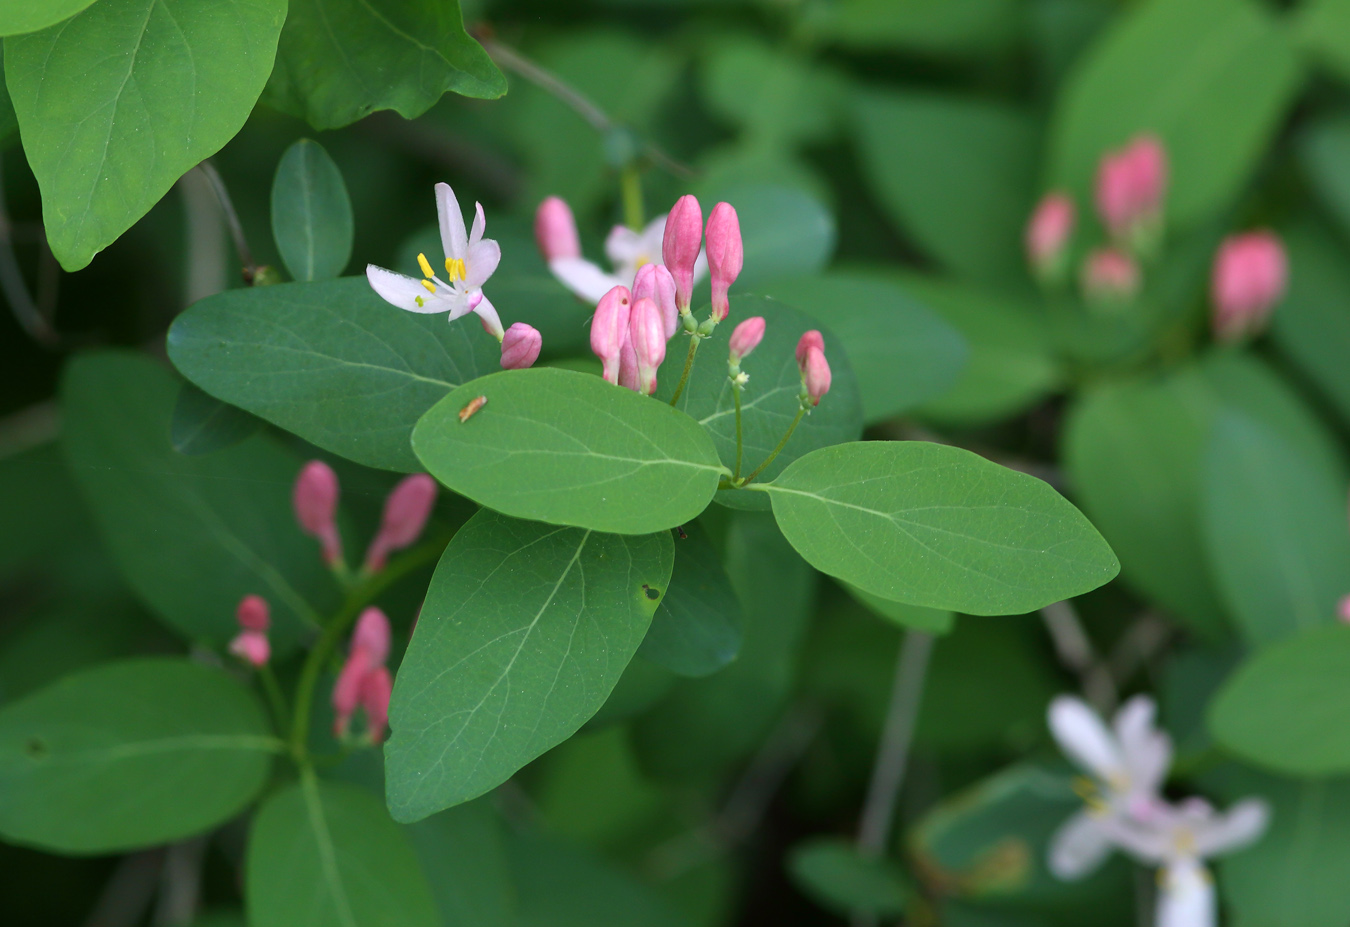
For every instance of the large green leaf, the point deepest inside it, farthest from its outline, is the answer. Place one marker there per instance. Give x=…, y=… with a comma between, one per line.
x=326, y=854
x=18, y=16
x=1274, y=528
x=901, y=351
x=769, y=400
x=1322, y=28
x=192, y=535
x=1285, y=708
x=330, y=361
x=786, y=231
x=938, y=526
x=570, y=449
x=1211, y=78
x=1324, y=152
x=463, y=853
x=202, y=424
x=311, y=213
x=116, y=103
x=525, y=630
x=842, y=880
x=697, y=627
x=931, y=620
x=340, y=60
x=130, y=754
x=955, y=174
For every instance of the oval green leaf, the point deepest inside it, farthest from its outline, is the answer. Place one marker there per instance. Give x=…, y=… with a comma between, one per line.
x=311, y=213
x=202, y=424
x=697, y=626
x=570, y=449
x=840, y=879
x=188, y=741
x=331, y=362
x=19, y=16
x=938, y=526
x=525, y=630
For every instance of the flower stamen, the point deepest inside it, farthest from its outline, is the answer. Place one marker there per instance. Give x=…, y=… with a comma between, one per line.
x=426, y=266
x=455, y=269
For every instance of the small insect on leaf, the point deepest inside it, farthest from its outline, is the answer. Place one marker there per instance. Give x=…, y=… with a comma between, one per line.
x=473, y=406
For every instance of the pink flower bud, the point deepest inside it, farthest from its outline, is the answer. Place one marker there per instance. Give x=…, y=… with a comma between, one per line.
x=1110, y=276
x=364, y=681
x=609, y=329
x=1249, y=278
x=1130, y=187
x=812, y=339
x=680, y=246
x=628, y=365
x=1047, y=234
x=520, y=346
x=253, y=613
x=726, y=256
x=654, y=282
x=816, y=374
x=649, y=343
x=376, y=688
x=746, y=337
x=251, y=647
x=347, y=689
x=555, y=231
x=371, y=636
x=1343, y=609
x=405, y=515
x=315, y=500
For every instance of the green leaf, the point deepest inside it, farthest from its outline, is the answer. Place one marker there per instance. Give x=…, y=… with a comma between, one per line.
x=769, y=400
x=525, y=630
x=837, y=876
x=331, y=362
x=570, y=449
x=325, y=854
x=1211, y=78
x=938, y=526
x=463, y=853
x=775, y=97
x=130, y=754
x=918, y=618
x=955, y=174
x=935, y=27
x=902, y=352
x=116, y=103
x=1285, y=708
x=311, y=213
x=786, y=232
x=202, y=424
x=341, y=60
x=1322, y=29
x=192, y=535
x=1323, y=149
x=697, y=627
x=1274, y=526
x=19, y=16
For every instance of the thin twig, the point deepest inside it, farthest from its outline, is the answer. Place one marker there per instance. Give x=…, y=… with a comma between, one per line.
x=128, y=891
x=250, y=269
x=180, y=883
x=207, y=263
x=1075, y=652
x=21, y=302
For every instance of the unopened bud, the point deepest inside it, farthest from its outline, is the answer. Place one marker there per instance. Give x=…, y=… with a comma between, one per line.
x=253, y=613
x=649, y=343
x=315, y=501
x=1110, y=277
x=520, y=346
x=811, y=339
x=746, y=337
x=726, y=255
x=405, y=515
x=1249, y=277
x=252, y=647
x=555, y=231
x=372, y=635
x=609, y=329
x=680, y=247
x=654, y=282
x=1131, y=183
x=816, y=375
x=1047, y=236
x=347, y=689
x=376, y=689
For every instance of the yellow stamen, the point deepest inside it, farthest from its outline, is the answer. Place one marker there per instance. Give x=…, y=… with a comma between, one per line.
x=643, y=260
x=454, y=269
x=426, y=266
x=431, y=287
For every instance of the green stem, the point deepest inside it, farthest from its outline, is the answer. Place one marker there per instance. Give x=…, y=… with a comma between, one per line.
x=360, y=596
x=781, y=444
x=275, y=700
x=630, y=181
x=736, y=392
x=688, y=366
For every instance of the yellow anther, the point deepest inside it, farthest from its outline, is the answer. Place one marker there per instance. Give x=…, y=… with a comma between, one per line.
x=426, y=266
x=454, y=269
x=431, y=287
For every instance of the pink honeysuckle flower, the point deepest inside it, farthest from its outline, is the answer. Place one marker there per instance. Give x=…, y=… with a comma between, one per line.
x=609, y=329
x=1047, y=235
x=654, y=282
x=680, y=244
x=364, y=681
x=555, y=230
x=746, y=336
x=470, y=260
x=1131, y=183
x=1110, y=277
x=816, y=375
x=1126, y=763
x=1249, y=278
x=251, y=644
x=647, y=332
x=521, y=346
x=405, y=515
x=726, y=256
x=315, y=502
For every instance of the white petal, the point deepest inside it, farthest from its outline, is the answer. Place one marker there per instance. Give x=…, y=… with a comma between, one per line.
x=625, y=248
x=479, y=225
x=492, y=322
x=1084, y=738
x=701, y=266
x=653, y=237
x=1186, y=895
x=1078, y=847
x=1147, y=751
x=453, y=239
x=583, y=278
x=1149, y=842
x=404, y=292
x=1241, y=825
x=481, y=262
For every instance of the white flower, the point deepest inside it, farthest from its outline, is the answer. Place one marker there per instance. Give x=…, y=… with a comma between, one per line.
x=1127, y=766
x=470, y=260
x=1180, y=838
x=627, y=251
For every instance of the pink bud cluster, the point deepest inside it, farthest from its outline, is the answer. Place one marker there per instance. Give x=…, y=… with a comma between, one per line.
x=405, y=514
x=1249, y=278
x=364, y=681
x=815, y=370
x=251, y=644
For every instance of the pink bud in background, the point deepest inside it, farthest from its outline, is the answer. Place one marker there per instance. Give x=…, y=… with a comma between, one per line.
x=372, y=635
x=315, y=500
x=1130, y=187
x=1048, y=233
x=1343, y=609
x=816, y=374
x=609, y=329
x=812, y=339
x=654, y=282
x=251, y=647
x=376, y=689
x=1249, y=278
x=347, y=690
x=680, y=246
x=555, y=231
x=405, y=515
x=520, y=346
x=746, y=337
x=253, y=613
x=364, y=681
x=1109, y=276
x=726, y=256
x=649, y=343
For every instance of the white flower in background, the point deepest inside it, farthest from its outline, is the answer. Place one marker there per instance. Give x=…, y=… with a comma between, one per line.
x=470, y=260
x=1179, y=839
x=1127, y=764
